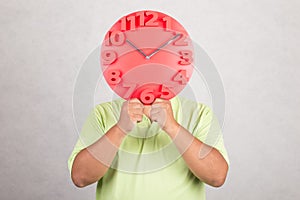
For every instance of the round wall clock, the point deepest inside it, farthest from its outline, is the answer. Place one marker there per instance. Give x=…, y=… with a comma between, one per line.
x=147, y=55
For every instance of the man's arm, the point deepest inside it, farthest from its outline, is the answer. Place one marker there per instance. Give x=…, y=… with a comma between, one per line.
x=92, y=163
x=211, y=168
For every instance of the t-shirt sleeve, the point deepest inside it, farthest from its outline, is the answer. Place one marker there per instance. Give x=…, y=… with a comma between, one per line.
x=92, y=130
x=207, y=129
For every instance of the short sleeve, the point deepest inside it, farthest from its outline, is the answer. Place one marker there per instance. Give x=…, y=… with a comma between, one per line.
x=92, y=130
x=207, y=130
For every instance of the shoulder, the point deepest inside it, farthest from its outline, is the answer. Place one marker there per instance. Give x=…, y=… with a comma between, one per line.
x=106, y=107
x=189, y=106
x=107, y=112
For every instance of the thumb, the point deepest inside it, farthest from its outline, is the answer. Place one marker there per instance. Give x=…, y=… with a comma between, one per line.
x=157, y=100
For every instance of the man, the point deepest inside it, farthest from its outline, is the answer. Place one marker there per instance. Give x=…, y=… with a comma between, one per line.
x=129, y=126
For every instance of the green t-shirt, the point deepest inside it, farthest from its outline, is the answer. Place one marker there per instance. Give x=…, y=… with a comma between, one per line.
x=148, y=165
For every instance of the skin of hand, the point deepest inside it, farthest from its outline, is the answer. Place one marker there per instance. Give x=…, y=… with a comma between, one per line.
x=162, y=113
x=131, y=113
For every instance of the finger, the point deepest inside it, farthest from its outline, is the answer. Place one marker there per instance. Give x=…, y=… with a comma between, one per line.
x=159, y=105
x=136, y=117
x=157, y=100
x=136, y=111
x=154, y=117
x=135, y=105
x=159, y=118
x=135, y=100
x=158, y=112
x=155, y=110
x=146, y=110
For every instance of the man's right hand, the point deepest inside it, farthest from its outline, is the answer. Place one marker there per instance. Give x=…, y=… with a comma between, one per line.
x=131, y=113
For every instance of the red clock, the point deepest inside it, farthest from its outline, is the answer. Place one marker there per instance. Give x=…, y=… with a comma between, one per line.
x=147, y=55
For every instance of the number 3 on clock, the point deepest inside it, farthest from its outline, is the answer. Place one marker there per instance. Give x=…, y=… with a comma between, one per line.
x=186, y=57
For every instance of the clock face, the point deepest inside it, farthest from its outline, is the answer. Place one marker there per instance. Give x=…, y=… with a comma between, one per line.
x=147, y=55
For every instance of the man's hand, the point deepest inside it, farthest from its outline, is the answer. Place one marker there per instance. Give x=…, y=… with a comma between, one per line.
x=162, y=113
x=131, y=113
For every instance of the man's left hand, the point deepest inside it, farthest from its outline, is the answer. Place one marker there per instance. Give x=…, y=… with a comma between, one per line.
x=162, y=113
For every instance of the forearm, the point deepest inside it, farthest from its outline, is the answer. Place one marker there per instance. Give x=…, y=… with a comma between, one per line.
x=93, y=162
x=204, y=161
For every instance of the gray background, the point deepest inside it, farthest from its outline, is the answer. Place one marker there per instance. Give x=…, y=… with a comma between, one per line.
x=254, y=45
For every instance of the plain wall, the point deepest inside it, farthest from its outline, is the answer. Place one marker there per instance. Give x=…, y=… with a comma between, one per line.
x=254, y=44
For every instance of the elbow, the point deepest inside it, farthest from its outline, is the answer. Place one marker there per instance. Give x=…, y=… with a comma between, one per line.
x=218, y=182
x=219, y=178
x=78, y=179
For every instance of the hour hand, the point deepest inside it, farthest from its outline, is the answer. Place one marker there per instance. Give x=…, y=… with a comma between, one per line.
x=140, y=51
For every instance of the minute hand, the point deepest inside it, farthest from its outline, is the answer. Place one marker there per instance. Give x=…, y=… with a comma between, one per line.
x=163, y=45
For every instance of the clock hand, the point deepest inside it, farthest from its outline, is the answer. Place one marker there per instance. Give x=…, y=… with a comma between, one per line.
x=163, y=45
x=141, y=52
